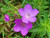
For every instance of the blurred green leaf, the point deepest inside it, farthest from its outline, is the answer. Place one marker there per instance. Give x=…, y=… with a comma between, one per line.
x=33, y=35
x=6, y=1
x=48, y=33
x=1, y=28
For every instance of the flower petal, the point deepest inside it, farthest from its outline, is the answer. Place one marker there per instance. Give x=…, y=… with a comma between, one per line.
x=7, y=16
x=32, y=19
x=24, y=31
x=16, y=28
x=17, y=21
x=27, y=8
x=34, y=12
x=24, y=19
x=29, y=25
x=21, y=11
x=7, y=19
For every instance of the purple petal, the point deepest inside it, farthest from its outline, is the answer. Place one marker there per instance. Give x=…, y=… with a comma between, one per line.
x=29, y=25
x=17, y=28
x=27, y=8
x=21, y=12
x=34, y=12
x=7, y=16
x=7, y=19
x=24, y=31
x=24, y=19
x=32, y=19
x=17, y=21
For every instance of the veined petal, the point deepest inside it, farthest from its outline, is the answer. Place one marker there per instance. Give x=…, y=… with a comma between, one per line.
x=21, y=12
x=24, y=19
x=16, y=28
x=34, y=12
x=17, y=21
x=32, y=19
x=27, y=8
x=29, y=25
x=24, y=31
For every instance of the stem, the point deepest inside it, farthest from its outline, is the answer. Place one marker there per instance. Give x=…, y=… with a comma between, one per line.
x=8, y=24
x=3, y=34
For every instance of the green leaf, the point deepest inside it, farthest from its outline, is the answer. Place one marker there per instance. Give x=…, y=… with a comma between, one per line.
x=42, y=33
x=1, y=4
x=33, y=35
x=6, y=1
x=37, y=29
x=3, y=33
x=48, y=33
x=1, y=28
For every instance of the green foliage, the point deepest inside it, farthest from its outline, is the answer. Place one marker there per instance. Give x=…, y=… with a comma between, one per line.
x=41, y=28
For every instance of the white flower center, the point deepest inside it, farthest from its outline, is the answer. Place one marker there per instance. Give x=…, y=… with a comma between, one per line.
x=27, y=15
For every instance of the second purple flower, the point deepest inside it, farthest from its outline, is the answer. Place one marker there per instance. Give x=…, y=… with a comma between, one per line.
x=22, y=27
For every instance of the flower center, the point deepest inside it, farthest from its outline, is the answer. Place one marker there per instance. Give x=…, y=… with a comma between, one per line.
x=27, y=15
x=23, y=24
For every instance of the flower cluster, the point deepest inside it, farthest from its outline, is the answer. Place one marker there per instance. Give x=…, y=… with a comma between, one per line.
x=28, y=15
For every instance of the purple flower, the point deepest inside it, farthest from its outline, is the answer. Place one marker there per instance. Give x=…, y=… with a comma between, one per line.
x=28, y=14
x=7, y=18
x=22, y=27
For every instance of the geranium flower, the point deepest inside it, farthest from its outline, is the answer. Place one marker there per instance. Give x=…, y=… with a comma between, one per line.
x=28, y=14
x=22, y=27
x=7, y=18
